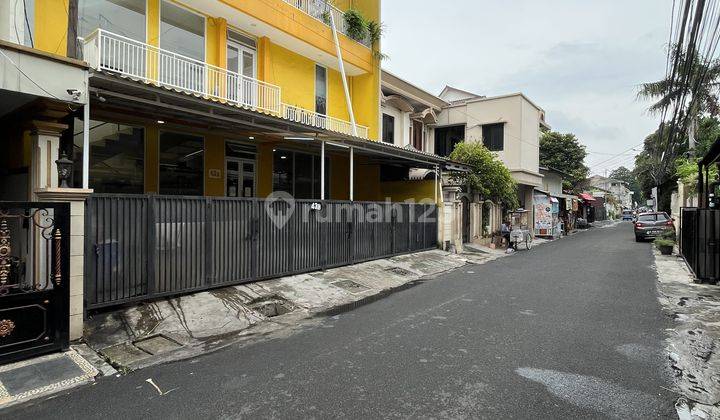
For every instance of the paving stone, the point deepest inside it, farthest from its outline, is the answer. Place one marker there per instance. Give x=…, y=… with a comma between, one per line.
x=156, y=344
x=42, y=376
x=124, y=354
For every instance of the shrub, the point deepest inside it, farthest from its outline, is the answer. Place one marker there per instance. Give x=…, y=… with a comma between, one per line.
x=660, y=242
x=355, y=25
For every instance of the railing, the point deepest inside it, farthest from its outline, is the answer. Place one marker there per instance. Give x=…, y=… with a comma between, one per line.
x=307, y=117
x=321, y=10
x=148, y=246
x=114, y=53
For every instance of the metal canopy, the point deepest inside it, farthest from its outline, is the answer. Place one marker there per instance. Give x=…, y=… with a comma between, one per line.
x=111, y=93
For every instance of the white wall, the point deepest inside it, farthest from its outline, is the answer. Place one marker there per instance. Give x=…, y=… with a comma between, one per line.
x=521, y=149
x=402, y=124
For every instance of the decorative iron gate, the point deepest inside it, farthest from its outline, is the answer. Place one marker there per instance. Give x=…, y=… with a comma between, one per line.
x=139, y=247
x=34, y=273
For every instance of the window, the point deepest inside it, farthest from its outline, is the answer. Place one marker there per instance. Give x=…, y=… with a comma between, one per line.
x=298, y=174
x=447, y=137
x=182, y=31
x=117, y=155
x=493, y=137
x=388, y=128
x=320, y=89
x=27, y=15
x=181, y=164
x=123, y=17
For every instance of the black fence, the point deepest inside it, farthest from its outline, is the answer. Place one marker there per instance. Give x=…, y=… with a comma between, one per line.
x=699, y=242
x=145, y=246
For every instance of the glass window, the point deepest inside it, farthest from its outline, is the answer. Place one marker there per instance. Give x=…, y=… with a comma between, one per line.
x=241, y=39
x=181, y=164
x=447, y=137
x=182, y=31
x=28, y=25
x=646, y=218
x=283, y=171
x=320, y=89
x=298, y=174
x=123, y=17
x=303, y=176
x=493, y=136
x=388, y=128
x=117, y=157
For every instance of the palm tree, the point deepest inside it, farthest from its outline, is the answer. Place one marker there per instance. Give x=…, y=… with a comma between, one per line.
x=696, y=85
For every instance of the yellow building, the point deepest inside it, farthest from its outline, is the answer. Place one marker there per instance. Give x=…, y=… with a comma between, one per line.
x=226, y=97
x=179, y=120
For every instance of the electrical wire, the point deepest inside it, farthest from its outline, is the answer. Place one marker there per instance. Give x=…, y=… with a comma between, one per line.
x=26, y=76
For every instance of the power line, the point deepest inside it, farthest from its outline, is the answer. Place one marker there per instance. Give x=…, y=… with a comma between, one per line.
x=26, y=76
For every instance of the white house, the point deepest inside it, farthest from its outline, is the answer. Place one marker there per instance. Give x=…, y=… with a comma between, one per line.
x=616, y=187
x=508, y=125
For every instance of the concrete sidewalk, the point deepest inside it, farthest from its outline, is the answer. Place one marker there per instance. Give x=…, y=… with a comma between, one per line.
x=170, y=329
x=693, y=343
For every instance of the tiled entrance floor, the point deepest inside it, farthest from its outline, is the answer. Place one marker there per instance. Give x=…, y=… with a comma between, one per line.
x=43, y=375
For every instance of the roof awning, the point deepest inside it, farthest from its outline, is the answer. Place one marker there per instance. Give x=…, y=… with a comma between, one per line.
x=586, y=197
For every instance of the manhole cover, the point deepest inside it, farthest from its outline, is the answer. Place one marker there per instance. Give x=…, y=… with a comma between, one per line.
x=399, y=271
x=350, y=286
x=270, y=306
x=156, y=344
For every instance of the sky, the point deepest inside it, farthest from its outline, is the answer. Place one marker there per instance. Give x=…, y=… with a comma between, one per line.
x=581, y=60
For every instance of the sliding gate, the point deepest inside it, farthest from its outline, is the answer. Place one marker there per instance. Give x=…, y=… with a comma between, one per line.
x=146, y=246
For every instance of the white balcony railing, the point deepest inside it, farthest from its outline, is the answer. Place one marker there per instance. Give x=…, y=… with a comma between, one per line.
x=114, y=53
x=118, y=54
x=307, y=117
x=320, y=10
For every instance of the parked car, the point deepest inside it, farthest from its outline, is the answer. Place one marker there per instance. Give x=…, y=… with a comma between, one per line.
x=628, y=215
x=651, y=224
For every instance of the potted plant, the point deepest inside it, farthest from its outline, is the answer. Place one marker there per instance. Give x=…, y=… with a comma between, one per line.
x=665, y=243
x=355, y=25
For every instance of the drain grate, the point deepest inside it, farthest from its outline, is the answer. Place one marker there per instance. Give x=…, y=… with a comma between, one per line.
x=350, y=286
x=156, y=344
x=399, y=271
x=271, y=306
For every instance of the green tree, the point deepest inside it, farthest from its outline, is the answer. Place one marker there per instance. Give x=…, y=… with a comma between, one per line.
x=488, y=176
x=565, y=153
x=624, y=174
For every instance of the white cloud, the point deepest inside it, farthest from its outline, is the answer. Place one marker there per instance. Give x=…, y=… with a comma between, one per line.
x=582, y=61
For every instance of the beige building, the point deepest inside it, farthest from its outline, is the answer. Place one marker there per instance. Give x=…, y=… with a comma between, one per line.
x=616, y=187
x=409, y=113
x=508, y=125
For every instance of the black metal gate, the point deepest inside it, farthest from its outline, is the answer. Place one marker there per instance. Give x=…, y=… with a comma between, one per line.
x=700, y=242
x=34, y=275
x=141, y=246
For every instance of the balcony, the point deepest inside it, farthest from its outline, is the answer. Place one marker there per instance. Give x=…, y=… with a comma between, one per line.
x=325, y=122
x=106, y=51
x=109, y=52
x=321, y=10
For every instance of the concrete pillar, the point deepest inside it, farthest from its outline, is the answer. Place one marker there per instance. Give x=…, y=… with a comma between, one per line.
x=76, y=198
x=452, y=228
x=45, y=141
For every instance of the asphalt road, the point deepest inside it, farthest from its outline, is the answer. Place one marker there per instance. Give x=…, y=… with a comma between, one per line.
x=570, y=329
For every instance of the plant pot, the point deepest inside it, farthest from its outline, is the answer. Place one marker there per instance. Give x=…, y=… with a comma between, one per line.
x=666, y=249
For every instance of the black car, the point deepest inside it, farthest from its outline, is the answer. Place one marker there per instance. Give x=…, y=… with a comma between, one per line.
x=652, y=224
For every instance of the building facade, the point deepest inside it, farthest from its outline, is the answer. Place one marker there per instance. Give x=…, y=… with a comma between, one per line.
x=508, y=125
x=171, y=126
